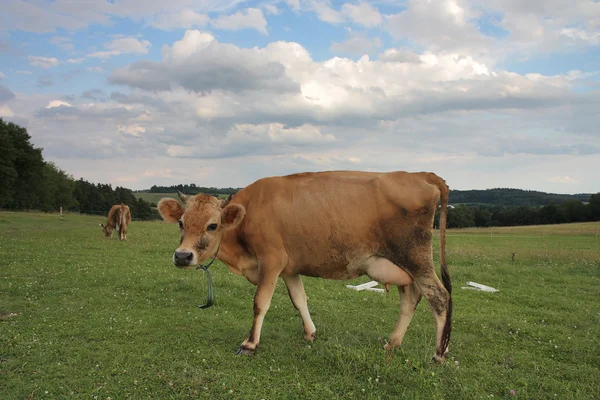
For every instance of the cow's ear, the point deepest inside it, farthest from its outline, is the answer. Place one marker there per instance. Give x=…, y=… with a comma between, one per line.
x=170, y=209
x=232, y=215
x=226, y=201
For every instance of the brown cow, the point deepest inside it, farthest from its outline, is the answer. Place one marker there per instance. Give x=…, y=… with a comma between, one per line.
x=334, y=225
x=119, y=217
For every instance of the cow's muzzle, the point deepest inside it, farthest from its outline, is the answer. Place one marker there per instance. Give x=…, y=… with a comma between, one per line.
x=183, y=258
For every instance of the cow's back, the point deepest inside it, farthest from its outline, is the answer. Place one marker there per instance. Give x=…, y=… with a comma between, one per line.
x=114, y=215
x=332, y=219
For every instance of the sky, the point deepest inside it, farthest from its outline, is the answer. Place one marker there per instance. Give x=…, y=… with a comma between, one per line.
x=135, y=93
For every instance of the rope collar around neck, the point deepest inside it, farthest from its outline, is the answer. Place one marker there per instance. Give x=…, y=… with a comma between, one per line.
x=210, y=298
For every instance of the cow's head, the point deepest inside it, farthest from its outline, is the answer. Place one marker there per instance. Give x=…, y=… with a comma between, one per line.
x=107, y=229
x=201, y=224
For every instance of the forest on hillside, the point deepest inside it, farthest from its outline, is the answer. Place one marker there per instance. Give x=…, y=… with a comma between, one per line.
x=512, y=197
x=28, y=182
x=190, y=189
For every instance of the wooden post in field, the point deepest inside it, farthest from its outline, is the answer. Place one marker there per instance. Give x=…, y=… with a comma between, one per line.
x=61, y=213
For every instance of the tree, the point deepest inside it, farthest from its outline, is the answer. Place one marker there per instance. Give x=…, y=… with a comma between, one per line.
x=594, y=207
x=57, y=189
x=27, y=163
x=142, y=210
x=549, y=214
x=8, y=173
x=460, y=217
x=573, y=211
x=482, y=217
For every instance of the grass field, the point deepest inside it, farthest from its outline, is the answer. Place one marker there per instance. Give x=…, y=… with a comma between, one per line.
x=82, y=316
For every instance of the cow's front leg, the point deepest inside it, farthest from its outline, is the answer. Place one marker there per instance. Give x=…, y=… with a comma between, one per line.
x=298, y=296
x=267, y=281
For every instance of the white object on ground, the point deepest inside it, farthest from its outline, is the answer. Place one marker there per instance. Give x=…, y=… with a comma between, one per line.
x=479, y=286
x=370, y=286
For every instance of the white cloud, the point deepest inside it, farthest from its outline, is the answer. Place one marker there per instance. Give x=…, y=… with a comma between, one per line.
x=356, y=44
x=70, y=15
x=271, y=9
x=42, y=62
x=123, y=45
x=363, y=14
x=324, y=11
x=57, y=103
x=440, y=25
x=24, y=72
x=183, y=19
x=200, y=63
x=563, y=179
x=580, y=35
x=5, y=111
x=400, y=55
x=2, y=76
x=95, y=70
x=75, y=60
x=253, y=18
x=63, y=42
x=104, y=54
x=128, y=45
x=134, y=130
x=294, y=5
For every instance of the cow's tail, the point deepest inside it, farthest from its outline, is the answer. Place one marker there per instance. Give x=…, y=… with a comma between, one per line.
x=444, y=194
x=122, y=219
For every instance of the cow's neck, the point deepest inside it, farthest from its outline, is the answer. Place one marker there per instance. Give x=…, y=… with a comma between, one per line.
x=231, y=252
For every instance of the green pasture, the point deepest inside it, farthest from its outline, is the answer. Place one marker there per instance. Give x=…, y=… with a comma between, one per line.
x=82, y=316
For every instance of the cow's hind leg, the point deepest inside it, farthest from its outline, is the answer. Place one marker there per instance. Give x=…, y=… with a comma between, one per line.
x=409, y=299
x=298, y=296
x=441, y=304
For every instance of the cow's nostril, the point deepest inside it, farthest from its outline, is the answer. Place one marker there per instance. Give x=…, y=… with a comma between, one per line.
x=183, y=257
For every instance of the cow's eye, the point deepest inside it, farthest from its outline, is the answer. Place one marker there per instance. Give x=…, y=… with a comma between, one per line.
x=211, y=227
x=180, y=224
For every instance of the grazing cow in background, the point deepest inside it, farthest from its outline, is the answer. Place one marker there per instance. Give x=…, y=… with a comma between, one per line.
x=119, y=217
x=333, y=225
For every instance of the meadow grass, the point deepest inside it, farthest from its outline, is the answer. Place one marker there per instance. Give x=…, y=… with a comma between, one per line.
x=82, y=316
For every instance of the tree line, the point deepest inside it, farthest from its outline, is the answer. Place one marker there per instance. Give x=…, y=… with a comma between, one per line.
x=466, y=216
x=28, y=182
x=191, y=189
x=512, y=197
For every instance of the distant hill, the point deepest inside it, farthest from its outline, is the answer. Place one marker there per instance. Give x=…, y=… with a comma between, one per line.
x=512, y=197
x=189, y=189
x=498, y=197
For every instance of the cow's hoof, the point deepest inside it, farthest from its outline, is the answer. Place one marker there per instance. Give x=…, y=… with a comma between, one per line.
x=438, y=359
x=310, y=337
x=244, y=351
